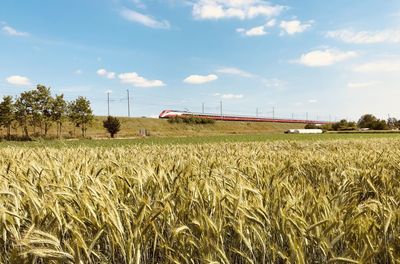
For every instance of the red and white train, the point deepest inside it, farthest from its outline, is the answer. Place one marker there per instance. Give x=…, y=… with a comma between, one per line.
x=175, y=113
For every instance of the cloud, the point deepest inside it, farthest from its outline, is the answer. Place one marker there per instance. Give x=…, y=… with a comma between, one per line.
x=321, y=58
x=294, y=26
x=365, y=37
x=13, y=32
x=382, y=66
x=139, y=81
x=106, y=74
x=235, y=71
x=143, y=19
x=78, y=72
x=239, y=9
x=200, y=79
x=232, y=96
x=361, y=84
x=312, y=101
x=252, y=32
x=18, y=80
x=257, y=31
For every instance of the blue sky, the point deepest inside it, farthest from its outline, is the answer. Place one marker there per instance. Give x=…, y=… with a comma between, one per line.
x=330, y=59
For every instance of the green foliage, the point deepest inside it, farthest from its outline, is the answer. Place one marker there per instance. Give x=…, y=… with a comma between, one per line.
x=311, y=126
x=367, y=121
x=80, y=113
x=344, y=125
x=113, y=125
x=190, y=120
x=59, y=112
x=7, y=114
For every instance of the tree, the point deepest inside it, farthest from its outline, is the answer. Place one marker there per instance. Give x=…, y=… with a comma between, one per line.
x=59, y=112
x=367, y=121
x=80, y=113
x=7, y=113
x=393, y=123
x=311, y=126
x=344, y=125
x=24, y=110
x=380, y=125
x=42, y=104
x=113, y=125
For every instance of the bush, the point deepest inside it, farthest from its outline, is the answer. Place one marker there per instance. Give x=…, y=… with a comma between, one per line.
x=344, y=125
x=190, y=120
x=311, y=126
x=112, y=124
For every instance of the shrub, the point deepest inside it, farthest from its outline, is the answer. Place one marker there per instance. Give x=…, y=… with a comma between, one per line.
x=190, y=120
x=112, y=124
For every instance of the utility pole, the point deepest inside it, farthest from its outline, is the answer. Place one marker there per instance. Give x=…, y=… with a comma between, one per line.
x=292, y=116
x=129, y=107
x=220, y=106
x=273, y=112
x=202, y=108
x=108, y=103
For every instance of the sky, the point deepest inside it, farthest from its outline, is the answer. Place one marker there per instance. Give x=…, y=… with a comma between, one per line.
x=323, y=59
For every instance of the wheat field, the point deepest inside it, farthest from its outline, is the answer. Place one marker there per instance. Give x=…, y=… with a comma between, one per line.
x=333, y=201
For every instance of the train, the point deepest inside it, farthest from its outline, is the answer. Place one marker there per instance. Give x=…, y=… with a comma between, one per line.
x=176, y=113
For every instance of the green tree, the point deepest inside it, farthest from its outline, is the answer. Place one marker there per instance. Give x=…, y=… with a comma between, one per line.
x=380, y=125
x=113, y=125
x=59, y=112
x=311, y=126
x=80, y=113
x=24, y=108
x=392, y=123
x=42, y=106
x=7, y=113
x=344, y=125
x=367, y=121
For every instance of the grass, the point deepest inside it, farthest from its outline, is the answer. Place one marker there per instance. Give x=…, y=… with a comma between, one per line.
x=195, y=140
x=304, y=200
x=130, y=127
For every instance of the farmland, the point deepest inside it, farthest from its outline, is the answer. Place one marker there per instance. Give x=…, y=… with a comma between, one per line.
x=223, y=200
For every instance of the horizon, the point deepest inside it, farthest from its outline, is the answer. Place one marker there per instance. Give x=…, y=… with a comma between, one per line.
x=330, y=60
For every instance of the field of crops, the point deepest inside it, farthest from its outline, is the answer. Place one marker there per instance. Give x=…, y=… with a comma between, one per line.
x=331, y=201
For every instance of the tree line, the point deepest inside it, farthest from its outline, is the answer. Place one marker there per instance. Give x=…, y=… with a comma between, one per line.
x=37, y=110
x=366, y=121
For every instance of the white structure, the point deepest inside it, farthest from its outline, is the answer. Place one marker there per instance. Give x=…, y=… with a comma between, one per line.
x=304, y=131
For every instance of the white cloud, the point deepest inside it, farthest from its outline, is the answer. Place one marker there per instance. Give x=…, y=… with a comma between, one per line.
x=294, y=26
x=200, y=79
x=18, y=80
x=271, y=23
x=255, y=31
x=361, y=84
x=365, y=37
x=320, y=58
x=235, y=71
x=312, y=101
x=232, y=96
x=139, y=81
x=382, y=66
x=143, y=19
x=106, y=74
x=240, y=9
x=78, y=72
x=13, y=32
